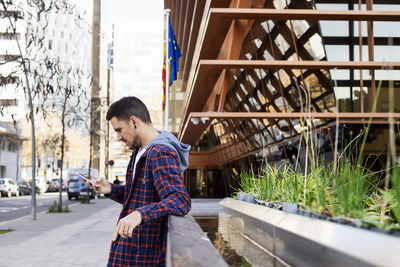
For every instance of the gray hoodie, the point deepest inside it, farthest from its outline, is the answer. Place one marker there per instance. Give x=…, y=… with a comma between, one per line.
x=168, y=139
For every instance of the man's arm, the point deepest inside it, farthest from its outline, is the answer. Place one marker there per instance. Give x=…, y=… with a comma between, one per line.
x=169, y=186
x=117, y=193
x=105, y=187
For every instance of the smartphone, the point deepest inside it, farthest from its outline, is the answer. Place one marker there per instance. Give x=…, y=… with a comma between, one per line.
x=88, y=180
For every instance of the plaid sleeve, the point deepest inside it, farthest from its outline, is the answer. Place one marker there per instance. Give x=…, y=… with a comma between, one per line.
x=117, y=193
x=168, y=182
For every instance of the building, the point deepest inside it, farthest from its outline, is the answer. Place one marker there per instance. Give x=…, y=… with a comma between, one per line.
x=250, y=71
x=137, y=34
x=135, y=49
x=61, y=46
x=12, y=100
x=10, y=151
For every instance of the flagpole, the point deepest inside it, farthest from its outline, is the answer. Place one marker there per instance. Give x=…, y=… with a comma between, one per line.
x=167, y=62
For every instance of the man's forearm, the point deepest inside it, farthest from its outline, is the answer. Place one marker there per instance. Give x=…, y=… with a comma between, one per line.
x=117, y=193
x=177, y=203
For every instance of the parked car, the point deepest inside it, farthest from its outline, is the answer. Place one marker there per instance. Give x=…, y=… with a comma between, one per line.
x=24, y=188
x=41, y=186
x=8, y=187
x=54, y=185
x=75, y=183
x=92, y=193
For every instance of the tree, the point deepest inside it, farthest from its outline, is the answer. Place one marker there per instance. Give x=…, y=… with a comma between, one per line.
x=68, y=102
x=33, y=62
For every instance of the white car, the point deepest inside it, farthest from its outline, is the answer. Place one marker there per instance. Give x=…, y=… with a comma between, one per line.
x=8, y=187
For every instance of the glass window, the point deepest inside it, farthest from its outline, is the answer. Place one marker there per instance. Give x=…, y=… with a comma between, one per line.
x=315, y=48
x=334, y=28
x=281, y=43
x=337, y=52
x=299, y=27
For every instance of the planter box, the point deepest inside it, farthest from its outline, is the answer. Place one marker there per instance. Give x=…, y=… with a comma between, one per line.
x=246, y=197
x=290, y=207
x=304, y=241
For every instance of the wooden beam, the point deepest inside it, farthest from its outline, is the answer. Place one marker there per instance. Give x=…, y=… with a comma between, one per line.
x=224, y=149
x=209, y=70
x=181, y=24
x=218, y=65
x=196, y=130
x=304, y=14
x=201, y=160
x=370, y=30
x=340, y=40
x=191, y=44
x=230, y=49
x=203, y=119
x=377, y=2
x=292, y=115
x=186, y=34
x=200, y=24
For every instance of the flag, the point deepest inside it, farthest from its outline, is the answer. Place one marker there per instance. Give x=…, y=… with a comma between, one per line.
x=173, y=55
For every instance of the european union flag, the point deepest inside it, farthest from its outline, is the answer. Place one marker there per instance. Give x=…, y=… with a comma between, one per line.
x=173, y=54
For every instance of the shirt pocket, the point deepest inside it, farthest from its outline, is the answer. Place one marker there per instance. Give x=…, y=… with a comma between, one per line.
x=133, y=241
x=136, y=235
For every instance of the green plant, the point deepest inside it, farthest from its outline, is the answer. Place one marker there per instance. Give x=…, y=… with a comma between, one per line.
x=360, y=155
x=291, y=185
x=342, y=189
x=54, y=208
x=396, y=193
x=319, y=187
x=380, y=207
x=267, y=188
x=247, y=183
x=354, y=193
x=85, y=200
x=5, y=231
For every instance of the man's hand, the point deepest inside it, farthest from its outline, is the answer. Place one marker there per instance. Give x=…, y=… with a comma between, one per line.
x=127, y=224
x=102, y=185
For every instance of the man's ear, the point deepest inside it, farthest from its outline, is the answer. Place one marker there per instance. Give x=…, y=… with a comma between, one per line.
x=133, y=121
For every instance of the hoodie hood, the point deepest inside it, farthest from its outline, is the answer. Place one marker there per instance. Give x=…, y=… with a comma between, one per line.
x=168, y=139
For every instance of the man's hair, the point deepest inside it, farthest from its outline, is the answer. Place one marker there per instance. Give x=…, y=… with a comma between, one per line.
x=129, y=106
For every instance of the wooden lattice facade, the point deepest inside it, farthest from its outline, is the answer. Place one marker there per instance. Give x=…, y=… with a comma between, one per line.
x=256, y=72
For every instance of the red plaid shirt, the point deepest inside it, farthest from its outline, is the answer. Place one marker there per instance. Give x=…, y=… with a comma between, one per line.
x=161, y=193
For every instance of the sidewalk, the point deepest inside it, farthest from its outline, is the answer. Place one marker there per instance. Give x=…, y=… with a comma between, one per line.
x=81, y=237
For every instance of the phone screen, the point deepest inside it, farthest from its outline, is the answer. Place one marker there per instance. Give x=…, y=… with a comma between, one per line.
x=90, y=181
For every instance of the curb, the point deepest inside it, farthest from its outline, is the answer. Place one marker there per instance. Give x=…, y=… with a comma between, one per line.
x=30, y=215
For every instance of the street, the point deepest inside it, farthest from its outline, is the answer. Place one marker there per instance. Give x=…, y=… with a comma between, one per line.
x=16, y=207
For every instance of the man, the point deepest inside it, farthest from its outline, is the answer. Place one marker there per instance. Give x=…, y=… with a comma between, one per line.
x=153, y=190
x=116, y=181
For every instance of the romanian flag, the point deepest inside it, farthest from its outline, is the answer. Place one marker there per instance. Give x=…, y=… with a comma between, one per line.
x=173, y=54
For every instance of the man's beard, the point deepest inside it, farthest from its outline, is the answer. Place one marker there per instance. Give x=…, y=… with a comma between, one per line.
x=135, y=143
x=133, y=147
